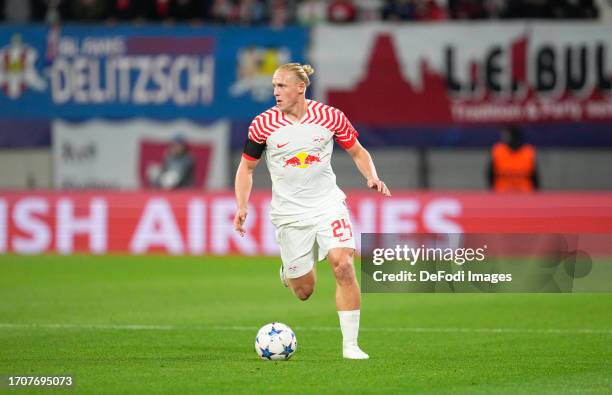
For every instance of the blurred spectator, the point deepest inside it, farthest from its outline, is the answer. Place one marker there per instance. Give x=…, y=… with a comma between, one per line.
x=178, y=10
x=16, y=11
x=467, y=9
x=311, y=12
x=398, y=10
x=495, y=9
x=251, y=12
x=341, y=11
x=575, y=9
x=159, y=10
x=50, y=11
x=428, y=10
x=513, y=164
x=89, y=10
x=369, y=10
x=604, y=8
x=125, y=10
x=223, y=11
x=178, y=168
x=280, y=13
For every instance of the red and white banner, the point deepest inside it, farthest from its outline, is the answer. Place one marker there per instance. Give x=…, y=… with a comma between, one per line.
x=197, y=223
x=122, y=154
x=428, y=74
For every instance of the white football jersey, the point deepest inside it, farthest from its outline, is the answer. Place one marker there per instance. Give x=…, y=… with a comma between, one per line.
x=298, y=155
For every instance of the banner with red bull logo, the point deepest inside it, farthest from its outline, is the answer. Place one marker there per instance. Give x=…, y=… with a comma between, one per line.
x=132, y=154
x=466, y=74
x=197, y=223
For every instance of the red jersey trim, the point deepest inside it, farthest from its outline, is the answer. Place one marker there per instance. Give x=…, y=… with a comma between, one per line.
x=248, y=157
x=317, y=113
x=347, y=144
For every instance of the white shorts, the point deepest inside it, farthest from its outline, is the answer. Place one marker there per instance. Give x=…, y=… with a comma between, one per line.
x=305, y=242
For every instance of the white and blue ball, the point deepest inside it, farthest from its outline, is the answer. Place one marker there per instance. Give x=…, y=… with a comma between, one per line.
x=275, y=342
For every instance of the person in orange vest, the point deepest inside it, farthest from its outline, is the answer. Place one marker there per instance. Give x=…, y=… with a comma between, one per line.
x=513, y=165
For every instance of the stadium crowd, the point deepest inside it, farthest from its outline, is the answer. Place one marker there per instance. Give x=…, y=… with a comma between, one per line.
x=305, y=12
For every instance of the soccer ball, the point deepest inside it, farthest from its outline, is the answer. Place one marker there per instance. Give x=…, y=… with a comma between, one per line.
x=275, y=342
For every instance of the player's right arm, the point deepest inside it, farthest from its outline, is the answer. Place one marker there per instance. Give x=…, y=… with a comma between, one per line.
x=242, y=187
x=253, y=149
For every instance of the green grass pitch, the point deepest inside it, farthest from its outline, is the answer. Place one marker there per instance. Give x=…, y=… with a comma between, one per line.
x=156, y=324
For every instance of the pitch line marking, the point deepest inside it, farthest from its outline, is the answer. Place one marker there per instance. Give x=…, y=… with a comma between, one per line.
x=438, y=330
x=88, y=326
x=541, y=331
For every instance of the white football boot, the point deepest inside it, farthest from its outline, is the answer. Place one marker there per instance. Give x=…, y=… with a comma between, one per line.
x=353, y=352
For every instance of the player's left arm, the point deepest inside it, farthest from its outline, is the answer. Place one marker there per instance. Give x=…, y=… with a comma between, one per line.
x=364, y=163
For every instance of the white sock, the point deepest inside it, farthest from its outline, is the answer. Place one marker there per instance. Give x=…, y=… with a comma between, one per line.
x=349, y=325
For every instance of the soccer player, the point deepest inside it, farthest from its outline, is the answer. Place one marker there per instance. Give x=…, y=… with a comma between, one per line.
x=308, y=209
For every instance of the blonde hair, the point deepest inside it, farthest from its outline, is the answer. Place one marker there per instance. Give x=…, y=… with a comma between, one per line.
x=301, y=71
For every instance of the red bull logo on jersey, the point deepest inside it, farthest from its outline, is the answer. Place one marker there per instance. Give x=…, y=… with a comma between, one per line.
x=302, y=160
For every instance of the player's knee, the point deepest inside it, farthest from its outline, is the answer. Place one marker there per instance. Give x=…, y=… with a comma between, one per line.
x=303, y=293
x=344, y=270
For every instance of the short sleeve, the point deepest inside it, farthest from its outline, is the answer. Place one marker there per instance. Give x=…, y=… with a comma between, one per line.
x=256, y=142
x=256, y=132
x=344, y=133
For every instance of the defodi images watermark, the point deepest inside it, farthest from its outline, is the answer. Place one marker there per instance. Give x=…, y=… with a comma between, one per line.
x=486, y=262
